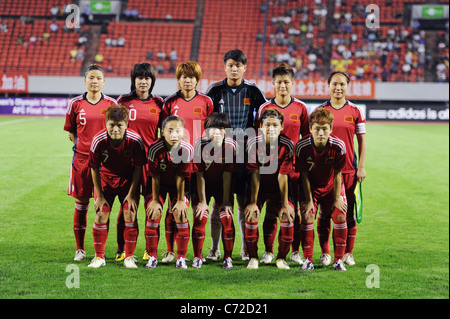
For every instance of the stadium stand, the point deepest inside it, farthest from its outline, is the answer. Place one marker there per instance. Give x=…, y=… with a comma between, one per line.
x=313, y=36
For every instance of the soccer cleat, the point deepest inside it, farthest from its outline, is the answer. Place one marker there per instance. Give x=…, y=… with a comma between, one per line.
x=253, y=263
x=267, y=258
x=120, y=255
x=308, y=265
x=339, y=265
x=244, y=255
x=282, y=264
x=213, y=255
x=130, y=262
x=228, y=263
x=181, y=263
x=348, y=259
x=197, y=262
x=97, y=262
x=168, y=256
x=152, y=263
x=297, y=257
x=80, y=254
x=145, y=257
x=325, y=259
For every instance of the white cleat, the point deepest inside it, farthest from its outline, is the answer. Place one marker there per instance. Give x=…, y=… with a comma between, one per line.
x=339, y=265
x=80, y=254
x=97, y=262
x=325, y=259
x=244, y=255
x=181, y=263
x=197, y=262
x=130, y=263
x=348, y=259
x=267, y=258
x=282, y=264
x=168, y=257
x=308, y=265
x=297, y=257
x=228, y=263
x=152, y=263
x=213, y=255
x=253, y=263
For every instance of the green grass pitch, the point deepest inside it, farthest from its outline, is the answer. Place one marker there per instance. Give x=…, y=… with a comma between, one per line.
x=401, y=252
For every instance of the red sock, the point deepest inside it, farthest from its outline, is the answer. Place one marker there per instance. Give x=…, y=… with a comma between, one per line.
x=100, y=235
x=130, y=235
x=120, y=231
x=251, y=234
x=270, y=226
x=170, y=230
x=228, y=234
x=339, y=235
x=323, y=231
x=307, y=240
x=79, y=223
x=152, y=237
x=296, y=238
x=351, y=237
x=198, y=235
x=285, y=238
x=182, y=238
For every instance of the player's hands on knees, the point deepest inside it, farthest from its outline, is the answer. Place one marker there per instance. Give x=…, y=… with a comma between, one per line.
x=286, y=214
x=180, y=211
x=132, y=203
x=340, y=204
x=201, y=210
x=153, y=210
x=251, y=213
x=307, y=208
x=99, y=203
x=228, y=209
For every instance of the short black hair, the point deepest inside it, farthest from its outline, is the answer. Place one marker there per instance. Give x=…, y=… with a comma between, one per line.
x=171, y=118
x=236, y=55
x=94, y=67
x=142, y=69
x=283, y=69
x=217, y=119
x=271, y=112
x=338, y=72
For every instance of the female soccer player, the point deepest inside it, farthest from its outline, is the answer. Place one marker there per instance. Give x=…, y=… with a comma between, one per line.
x=295, y=124
x=348, y=122
x=170, y=163
x=116, y=158
x=320, y=159
x=270, y=162
x=145, y=110
x=214, y=163
x=85, y=117
x=193, y=107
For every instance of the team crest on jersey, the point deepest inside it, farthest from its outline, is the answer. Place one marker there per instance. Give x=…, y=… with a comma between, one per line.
x=153, y=110
x=103, y=111
x=294, y=117
x=197, y=110
x=329, y=160
x=247, y=101
x=348, y=119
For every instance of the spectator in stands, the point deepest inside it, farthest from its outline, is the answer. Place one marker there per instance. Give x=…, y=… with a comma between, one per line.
x=108, y=42
x=3, y=27
x=54, y=11
x=98, y=58
x=80, y=54
x=149, y=56
x=73, y=54
x=54, y=27
x=20, y=40
x=135, y=14
x=161, y=56
x=173, y=56
x=121, y=41
x=159, y=69
x=32, y=40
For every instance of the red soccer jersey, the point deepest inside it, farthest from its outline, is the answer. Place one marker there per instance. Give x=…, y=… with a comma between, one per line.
x=86, y=119
x=168, y=165
x=193, y=112
x=144, y=116
x=295, y=118
x=212, y=164
x=320, y=166
x=270, y=163
x=117, y=161
x=348, y=121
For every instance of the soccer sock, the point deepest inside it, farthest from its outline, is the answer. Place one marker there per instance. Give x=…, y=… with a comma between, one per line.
x=100, y=235
x=307, y=240
x=130, y=235
x=152, y=236
x=228, y=234
x=351, y=237
x=215, y=227
x=339, y=234
x=270, y=226
x=323, y=231
x=79, y=223
x=198, y=234
x=241, y=221
x=285, y=238
x=251, y=238
x=170, y=230
x=296, y=237
x=182, y=238
x=120, y=231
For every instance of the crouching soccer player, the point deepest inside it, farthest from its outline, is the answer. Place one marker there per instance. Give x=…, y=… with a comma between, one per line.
x=270, y=156
x=116, y=158
x=170, y=163
x=320, y=158
x=214, y=163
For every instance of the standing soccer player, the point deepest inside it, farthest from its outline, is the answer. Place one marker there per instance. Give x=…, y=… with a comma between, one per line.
x=240, y=100
x=145, y=109
x=348, y=122
x=193, y=107
x=270, y=163
x=170, y=164
x=85, y=117
x=116, y=158
x=214, y=163
x=320, y=159
x=295, y=124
